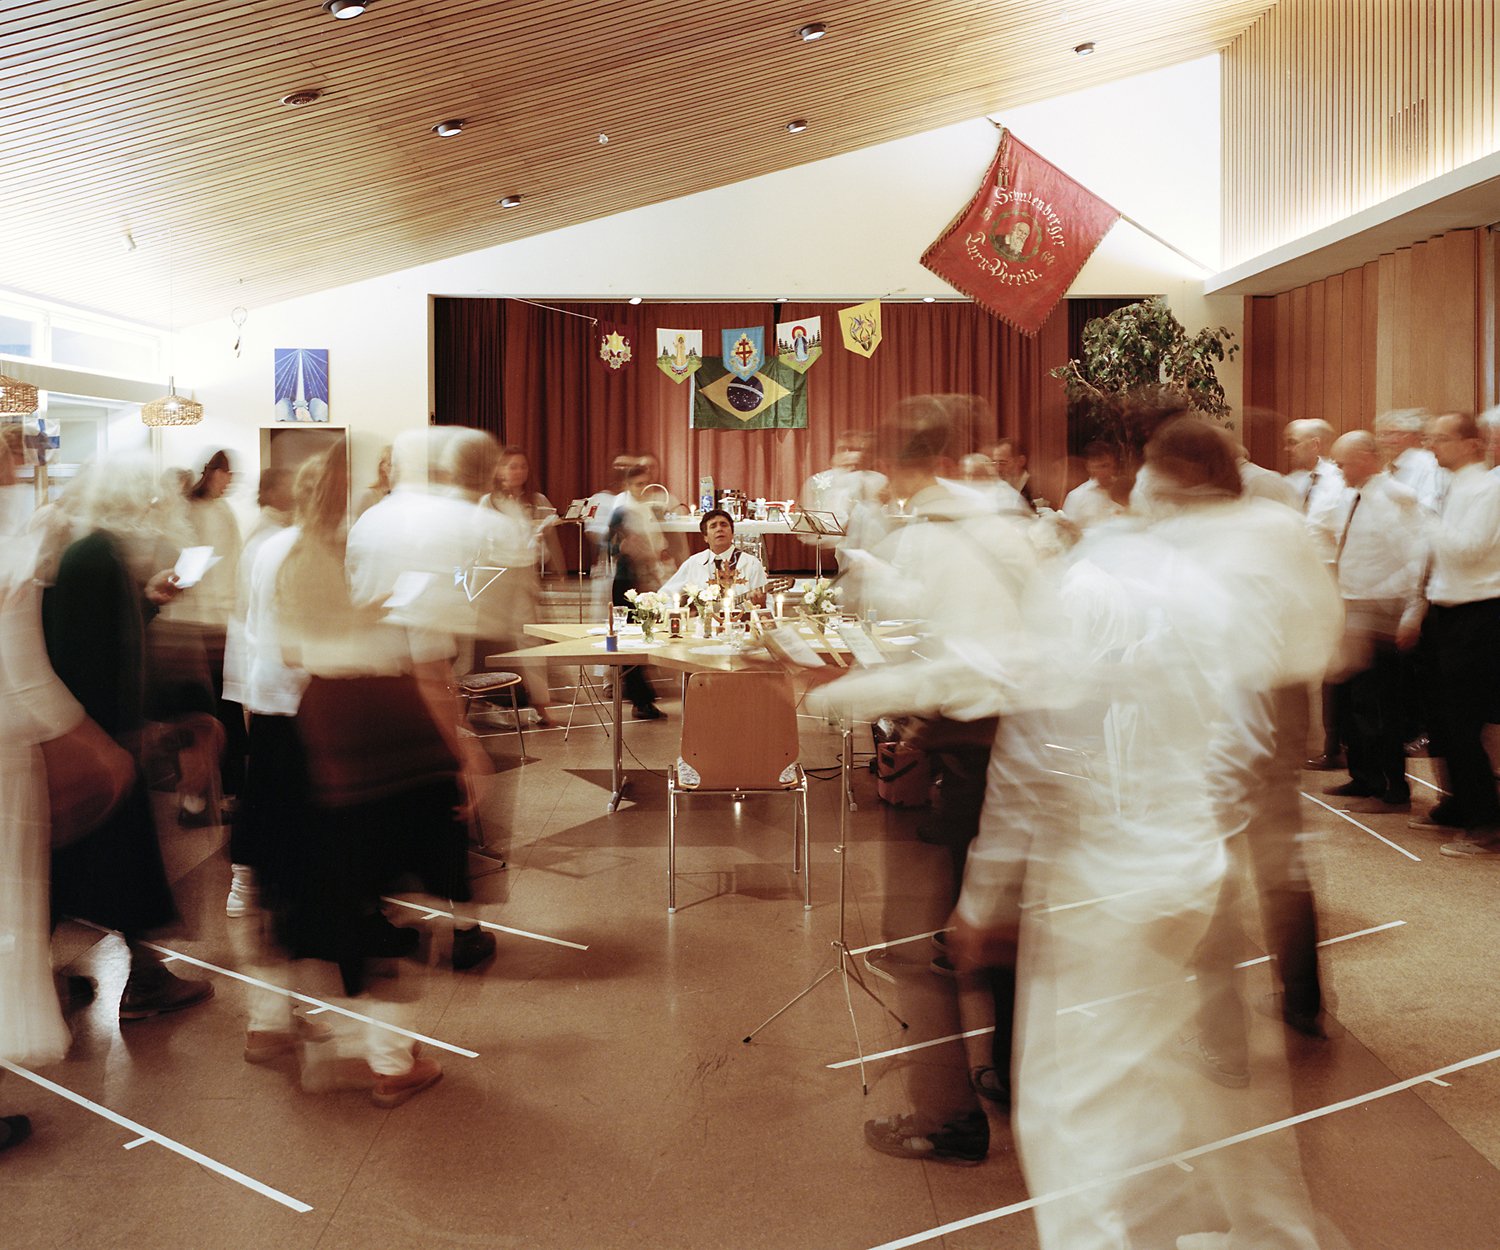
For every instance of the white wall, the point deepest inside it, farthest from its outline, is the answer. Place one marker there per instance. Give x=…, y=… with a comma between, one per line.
x=1150, y=146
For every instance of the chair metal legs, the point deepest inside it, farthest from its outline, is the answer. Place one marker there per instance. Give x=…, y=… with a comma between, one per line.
x=671, y=843
x=800, y=842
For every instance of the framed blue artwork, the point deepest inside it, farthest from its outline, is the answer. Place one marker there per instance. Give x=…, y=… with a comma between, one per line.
x=301, y=375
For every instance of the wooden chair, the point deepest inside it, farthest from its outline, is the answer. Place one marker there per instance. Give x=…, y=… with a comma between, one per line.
x=739, y=737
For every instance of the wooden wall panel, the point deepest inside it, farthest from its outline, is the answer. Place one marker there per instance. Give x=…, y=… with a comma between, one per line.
x=1330, y=106
x=1415, y=329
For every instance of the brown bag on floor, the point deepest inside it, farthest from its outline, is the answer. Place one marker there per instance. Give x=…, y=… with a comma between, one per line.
x=88, y=777
x=903, y=775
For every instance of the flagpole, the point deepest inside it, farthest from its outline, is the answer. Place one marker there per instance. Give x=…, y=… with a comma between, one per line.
x=1171, y=247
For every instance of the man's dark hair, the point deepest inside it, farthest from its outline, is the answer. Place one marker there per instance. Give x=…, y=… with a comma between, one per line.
x=709, y=516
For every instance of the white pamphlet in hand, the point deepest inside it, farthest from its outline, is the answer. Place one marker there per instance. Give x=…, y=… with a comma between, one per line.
x=192, y=564
x=408, y=587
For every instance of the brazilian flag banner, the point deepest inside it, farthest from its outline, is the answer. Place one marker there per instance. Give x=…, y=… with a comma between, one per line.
x=774, y=397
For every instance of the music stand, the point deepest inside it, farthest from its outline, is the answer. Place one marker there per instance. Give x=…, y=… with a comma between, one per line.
x=844, y=962
x=823, y=525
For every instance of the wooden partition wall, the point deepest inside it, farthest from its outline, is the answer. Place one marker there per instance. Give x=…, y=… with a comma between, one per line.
x=1414, y=329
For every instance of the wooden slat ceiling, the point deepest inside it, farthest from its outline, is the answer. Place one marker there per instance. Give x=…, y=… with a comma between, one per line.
x=163, y=117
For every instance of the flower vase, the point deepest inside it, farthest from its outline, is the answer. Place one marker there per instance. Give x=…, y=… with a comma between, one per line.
x=648, y=629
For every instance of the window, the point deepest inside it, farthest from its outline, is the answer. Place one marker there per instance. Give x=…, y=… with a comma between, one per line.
x=17, y=336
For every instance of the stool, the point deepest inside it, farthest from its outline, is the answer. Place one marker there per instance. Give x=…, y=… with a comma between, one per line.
x=482, y=688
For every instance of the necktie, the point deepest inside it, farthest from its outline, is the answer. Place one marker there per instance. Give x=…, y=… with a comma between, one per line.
x=1344, y=537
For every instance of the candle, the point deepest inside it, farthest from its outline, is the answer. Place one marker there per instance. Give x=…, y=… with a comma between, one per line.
x=728, y=602
x=780, y=604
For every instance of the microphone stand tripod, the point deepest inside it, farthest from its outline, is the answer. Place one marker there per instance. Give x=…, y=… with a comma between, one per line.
x=844, y=963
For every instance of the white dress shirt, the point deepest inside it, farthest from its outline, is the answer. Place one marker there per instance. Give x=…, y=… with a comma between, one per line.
x=1321, y=490
x=698, y=570
x=1418, y=468
x=1377, y=540
x=1465, y=540
x=1088, y=504
x=272, y=687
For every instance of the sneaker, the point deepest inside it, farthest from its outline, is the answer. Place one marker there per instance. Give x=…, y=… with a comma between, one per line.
x=261, y=1046
x=471, y=948
x=392, y=1091
x=153, y=991
x=244, y=896
x=1221, y=1070
x=1472, y=848
x=14, y=1129
x=964, y=1141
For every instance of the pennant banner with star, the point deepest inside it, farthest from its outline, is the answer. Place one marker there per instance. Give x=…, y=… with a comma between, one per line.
x=861, y=327
x=614, y=348
x=774, y=397
x=679, y=353
x=799, y=343
x=1019, y=243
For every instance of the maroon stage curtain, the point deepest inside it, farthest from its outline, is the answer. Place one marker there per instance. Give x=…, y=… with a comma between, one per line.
x=532, y=376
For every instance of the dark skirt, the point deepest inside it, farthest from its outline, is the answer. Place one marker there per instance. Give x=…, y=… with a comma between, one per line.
x=382, y=793
x=115, y=877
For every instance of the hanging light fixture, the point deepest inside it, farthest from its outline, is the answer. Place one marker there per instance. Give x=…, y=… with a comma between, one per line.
x=17, y=398
x=171, y=408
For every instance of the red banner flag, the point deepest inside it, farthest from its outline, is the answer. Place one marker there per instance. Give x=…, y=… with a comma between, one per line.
x=1019, y=243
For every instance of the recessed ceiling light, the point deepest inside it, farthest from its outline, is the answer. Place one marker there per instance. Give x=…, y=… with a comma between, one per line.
x=510, y=201
x=298, y=98
x=345, y=9
x=453, y=126
x=603, y=139
x=1085, y=49
x=796, y=126
x=635, y=299
x=929, y=299
x=812, y=32
x=783, y=299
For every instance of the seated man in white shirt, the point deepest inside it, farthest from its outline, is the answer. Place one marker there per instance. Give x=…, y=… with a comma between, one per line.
x=720, y=561
x=1091, y=502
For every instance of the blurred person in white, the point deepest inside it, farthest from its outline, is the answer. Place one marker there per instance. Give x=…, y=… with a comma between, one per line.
x=1313, y=475
x=977, y=473
x=842, y=489
x=35, y=709
x=512, y=599
x=639, y=553
x=209, y=605
x=272, y=830
x=965, y=573
x=1092, y=501
x=1460, y=638
x=377, y=723
x=1375, y=532
x=1260, y=482
x=1402, y=435
x=109, y=583
x=1489, y=422
x=274, y=499
x=1102, y=864
x=379, y=488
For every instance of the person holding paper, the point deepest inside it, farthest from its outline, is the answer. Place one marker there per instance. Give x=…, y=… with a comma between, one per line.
x=722, y=563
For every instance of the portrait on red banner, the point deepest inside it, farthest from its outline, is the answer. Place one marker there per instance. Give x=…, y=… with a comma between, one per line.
x=1019, y=243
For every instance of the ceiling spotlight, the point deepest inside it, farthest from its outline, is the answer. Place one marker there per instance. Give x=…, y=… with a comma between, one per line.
x=812, y=32
x=1085, y=49
x=635, y=299
x=929, y=299
x=298, y=98
x=345, y=9
x=603, y=139
x=510, y=201
x=447, y=129
x=796, y=126
x=783, y=299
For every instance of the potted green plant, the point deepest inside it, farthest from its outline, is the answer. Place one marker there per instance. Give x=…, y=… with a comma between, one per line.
x=1138, y=362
